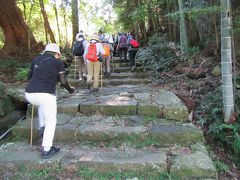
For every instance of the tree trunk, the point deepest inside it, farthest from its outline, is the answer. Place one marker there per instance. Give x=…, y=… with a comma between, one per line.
x=75, y=25
x=46, y=23
x=15, y=30
x=226, y=60
x=56, y=15
x=183, y=32
x=24, y=10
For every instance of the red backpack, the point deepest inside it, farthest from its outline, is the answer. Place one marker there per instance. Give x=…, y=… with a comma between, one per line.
x=134, y=43
x=92, y=53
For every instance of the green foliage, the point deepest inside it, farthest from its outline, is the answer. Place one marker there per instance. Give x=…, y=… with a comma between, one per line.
x=6, y=105
x=8, y=63
x=159, y=56
x=21, y=74
x=2, y=39
x=210, y=114
x=90, y=174
x=221, y=167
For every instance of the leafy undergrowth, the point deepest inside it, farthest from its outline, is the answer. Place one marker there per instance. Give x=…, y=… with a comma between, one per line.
x=203, y=98
x=204, y=101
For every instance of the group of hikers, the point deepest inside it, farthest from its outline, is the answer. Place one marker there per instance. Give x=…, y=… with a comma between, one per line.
x=47, y=70
x=100, y=49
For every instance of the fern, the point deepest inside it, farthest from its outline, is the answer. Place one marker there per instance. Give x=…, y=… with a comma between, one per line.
x=221, y=167
x=236, y=144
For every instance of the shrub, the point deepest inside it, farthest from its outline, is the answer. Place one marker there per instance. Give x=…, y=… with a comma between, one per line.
x=210, y=115
x=21, y=74
x=159, y=56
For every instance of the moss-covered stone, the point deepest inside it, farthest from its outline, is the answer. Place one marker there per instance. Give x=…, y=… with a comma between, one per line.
x=88, y=109
x=148, y=110
x=176, y=113
x=66, y=133
x=118, y=110
x=143, y=164
x=195, y=165
x=168, y=135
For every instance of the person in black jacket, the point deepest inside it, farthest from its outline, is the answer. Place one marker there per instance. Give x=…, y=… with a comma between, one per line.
x=46, y=71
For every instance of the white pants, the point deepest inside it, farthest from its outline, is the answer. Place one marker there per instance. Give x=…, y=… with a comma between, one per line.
x=47, y=114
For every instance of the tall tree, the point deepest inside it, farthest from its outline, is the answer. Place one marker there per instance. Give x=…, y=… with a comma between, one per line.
x=56, y=15
x=183, y=32
x=75, y=18
x=226, y=59
x=46, y=23
x=16, y=32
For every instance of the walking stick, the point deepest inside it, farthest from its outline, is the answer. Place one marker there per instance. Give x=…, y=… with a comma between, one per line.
x=101, y=74
x=31, y=136
x=112, y=63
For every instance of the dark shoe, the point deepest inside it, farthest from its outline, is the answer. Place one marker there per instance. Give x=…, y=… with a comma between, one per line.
x=47, y=154
x=88, y=86
x=84, y=78
x=94, y=89
x=108, y=74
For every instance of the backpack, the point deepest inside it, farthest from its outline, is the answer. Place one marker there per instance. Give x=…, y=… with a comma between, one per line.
x=78, y=49
x=134, y=43
x=107, y=50
x=92, y=53
x=123, y=42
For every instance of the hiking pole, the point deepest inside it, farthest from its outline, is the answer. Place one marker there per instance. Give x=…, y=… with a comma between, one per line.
x=112, y=63
x=75, y=68
x=31, y=136
x=101, y=73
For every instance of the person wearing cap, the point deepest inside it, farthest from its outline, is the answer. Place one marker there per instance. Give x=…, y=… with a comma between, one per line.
x=80, y=42
x=45, y=72
x=93, y=68
x=101, y=35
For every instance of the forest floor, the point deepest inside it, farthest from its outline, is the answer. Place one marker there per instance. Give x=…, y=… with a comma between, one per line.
x=191, y=91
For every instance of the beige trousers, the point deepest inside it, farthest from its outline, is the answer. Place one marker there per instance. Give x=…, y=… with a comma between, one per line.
x=82, y=68
x=93, y=73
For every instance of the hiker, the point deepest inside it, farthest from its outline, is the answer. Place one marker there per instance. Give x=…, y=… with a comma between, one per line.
x=46, y=70
x=132, y=49
x=93, y=57
x=123, y=46
x=78, y=50
x=101, y=35
x=107, y=56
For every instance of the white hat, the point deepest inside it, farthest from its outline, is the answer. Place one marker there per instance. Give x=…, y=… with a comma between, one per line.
x=95, y=37
x=52, y=47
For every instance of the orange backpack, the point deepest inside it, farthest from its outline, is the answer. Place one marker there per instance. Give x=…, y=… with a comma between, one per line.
x=92, y=53
x=107, y=50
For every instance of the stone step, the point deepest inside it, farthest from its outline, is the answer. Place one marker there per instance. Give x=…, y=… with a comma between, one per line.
x=127, y=69
x=123, y=64
x=19, y=161
x=135, y=130
x=123, y=100
x=126, y=75
x=112, y=81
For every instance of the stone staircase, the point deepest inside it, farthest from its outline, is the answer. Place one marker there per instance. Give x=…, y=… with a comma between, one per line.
x=126, y=130
x=121, y=75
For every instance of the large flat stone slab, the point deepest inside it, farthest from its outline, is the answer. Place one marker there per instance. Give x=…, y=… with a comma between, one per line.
x=168, y=135
x=19, y=161
x=143, y=163
x=195, y=164
x=121, y=128
x=105, y=132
